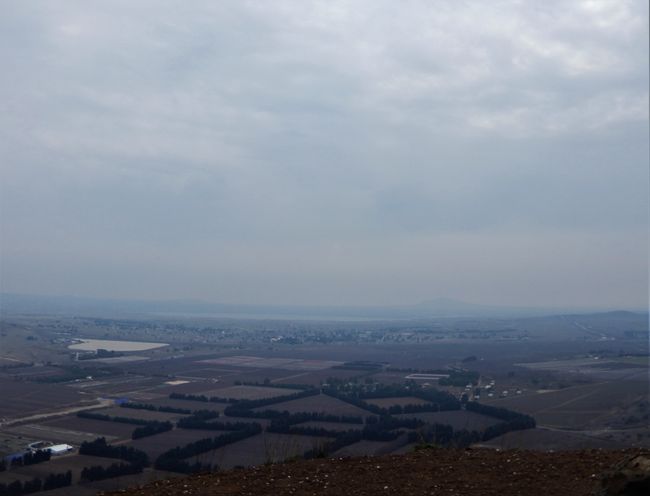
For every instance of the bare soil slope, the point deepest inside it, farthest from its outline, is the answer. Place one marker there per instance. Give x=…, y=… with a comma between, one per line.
x=429, y=472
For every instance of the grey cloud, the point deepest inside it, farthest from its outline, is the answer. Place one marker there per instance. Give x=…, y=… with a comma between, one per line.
x=337, y=132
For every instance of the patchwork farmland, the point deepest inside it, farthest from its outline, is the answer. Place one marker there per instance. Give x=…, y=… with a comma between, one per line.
x=187, y=407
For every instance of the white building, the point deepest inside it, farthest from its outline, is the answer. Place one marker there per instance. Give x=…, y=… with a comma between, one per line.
x=59, y=449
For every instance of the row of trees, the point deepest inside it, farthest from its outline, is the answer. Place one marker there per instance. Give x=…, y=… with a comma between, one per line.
x=501, y=428
x=437, y=400
x=148, y=427
x=17, y=487
x=363, y=365
x=293, y=418
x=499, y=413
x=367, y=433
x=193, y=423
x=512, y=421
x=31, y=458
x=250, y=404
x=200, y=420
x=203, y=415
x=151, y=428
x=376, y=429
x=154, y=408
x=52, y=481
x=442, y=399
x=97, y=472
x=246, y=404
x=175, y=460
x=444, y=435
x=235, y=411
x=195, y=397
x=267, y=383
x=99, y=447
x=109, y=418
x=298, y=417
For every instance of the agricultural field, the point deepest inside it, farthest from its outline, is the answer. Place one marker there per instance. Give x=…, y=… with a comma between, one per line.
x=95, y=428
x=596, y=367
x=33, y=398
x=258, y=362
x=257, y=450
x=368, y=448
x=42, y=432
x=114, y=484
x=138, y=414
x=403, y=401
x=8, y=477
x=159, y=443
x=82, y=344
x=262, y=421
x=320, y=403
x=578, y=407
x=458, y=419
x=551, y=440
x=578, y=400
x=118, y=386
x=188, y=404
x=11, y=443
x=318, y=377
x=331, y=426
x=190, y=387
x=249, y=392
x=393, y=377
x=76, y=464
x=202, y=373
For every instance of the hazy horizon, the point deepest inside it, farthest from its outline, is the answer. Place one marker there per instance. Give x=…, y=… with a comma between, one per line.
x=361, y=153
x=19, y=303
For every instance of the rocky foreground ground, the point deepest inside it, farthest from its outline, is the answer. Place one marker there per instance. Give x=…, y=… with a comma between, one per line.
x=427, y=472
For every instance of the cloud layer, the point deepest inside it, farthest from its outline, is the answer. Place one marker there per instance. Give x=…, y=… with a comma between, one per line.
x=326, y=152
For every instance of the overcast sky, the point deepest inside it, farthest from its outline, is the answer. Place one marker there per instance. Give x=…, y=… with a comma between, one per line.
x=334, y=152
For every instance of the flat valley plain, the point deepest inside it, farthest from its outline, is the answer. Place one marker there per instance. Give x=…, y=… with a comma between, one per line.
x=584, y=378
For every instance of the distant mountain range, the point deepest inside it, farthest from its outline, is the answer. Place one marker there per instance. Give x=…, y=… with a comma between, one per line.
x=11, y=303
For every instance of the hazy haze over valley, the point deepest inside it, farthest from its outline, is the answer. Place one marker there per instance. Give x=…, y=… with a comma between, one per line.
x=326, y=153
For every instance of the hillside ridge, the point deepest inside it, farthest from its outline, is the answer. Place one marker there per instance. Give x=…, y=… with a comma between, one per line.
x=429, y=471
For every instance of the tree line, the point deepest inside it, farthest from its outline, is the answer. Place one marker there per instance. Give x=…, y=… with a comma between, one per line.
x=99, y=447
x=194, y=397
x=154, y=408
x=444, y=435
x=294, y=418
x=268, y=384
x=211, y=426
x=52, y=481
x=250, y=404
x=512, y=421
x=97, y=472
x=376, y=429
x=147, y=427
x=151, y=428
x=109, y=418
x=30, y=458
x=437, y=400
x=499, y=413
x=175, y=459
x=246, y=404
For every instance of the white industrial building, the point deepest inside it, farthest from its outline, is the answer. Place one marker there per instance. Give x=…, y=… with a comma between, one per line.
x=59, y=449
